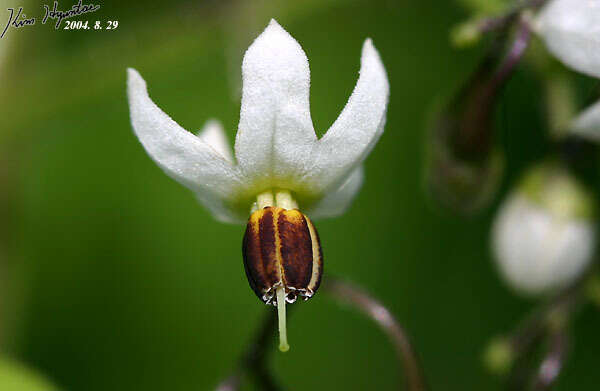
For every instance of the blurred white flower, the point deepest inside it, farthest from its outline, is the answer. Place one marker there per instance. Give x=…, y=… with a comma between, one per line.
x=571, y=31
x=543, y=237
x=276, y=146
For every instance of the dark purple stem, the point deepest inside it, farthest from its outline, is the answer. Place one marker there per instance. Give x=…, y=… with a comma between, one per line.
x=469, y=116
x=513, y=57
x=253, y=361
x=352, y=294
x=547, y=322
x=499, y=22
x=552, y=363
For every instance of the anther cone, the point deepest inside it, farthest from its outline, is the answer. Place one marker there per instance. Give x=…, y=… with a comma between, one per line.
x=282, y=258
x=281, y=248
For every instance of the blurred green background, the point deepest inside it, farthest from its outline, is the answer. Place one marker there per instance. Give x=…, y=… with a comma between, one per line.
x=112, y=277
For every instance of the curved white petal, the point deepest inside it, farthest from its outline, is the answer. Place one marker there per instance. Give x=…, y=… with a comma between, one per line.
x=182, y=155
x=275, y=132
x=587, y=123
x=220, y=209
x=337, y=202
x=350, y=139
x=571, y=31
x=213, y=134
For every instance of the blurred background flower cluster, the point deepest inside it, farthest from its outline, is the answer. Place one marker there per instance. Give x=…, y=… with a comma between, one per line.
x=114, y=278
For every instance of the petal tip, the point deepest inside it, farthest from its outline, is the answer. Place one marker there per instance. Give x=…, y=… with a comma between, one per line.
x=273, y=27
x=132, y=73
x=213, y=122
x=209, y=126
x=269, y=37
x=370, y=55
x=135, y=80
x=369, y=50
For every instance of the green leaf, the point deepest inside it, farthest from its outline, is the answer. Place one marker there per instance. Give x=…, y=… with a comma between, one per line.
x=15, y=376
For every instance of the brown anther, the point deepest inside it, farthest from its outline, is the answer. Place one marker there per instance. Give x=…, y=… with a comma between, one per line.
x=281, y=248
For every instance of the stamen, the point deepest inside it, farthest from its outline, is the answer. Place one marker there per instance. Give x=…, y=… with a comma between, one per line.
x=284, y=199
x=264, y=199
x=283, y=344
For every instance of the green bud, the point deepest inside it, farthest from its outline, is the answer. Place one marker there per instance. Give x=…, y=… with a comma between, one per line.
x=551, y=186
x=499, y=356
x=466, y=34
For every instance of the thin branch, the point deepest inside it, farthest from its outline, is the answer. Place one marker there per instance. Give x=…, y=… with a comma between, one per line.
x=494, y=23
x=254, y=361
x=553, y=362
x=537, y=322
x=352, y=294
x=513, y=57
x=466, y=125
x=549, y=322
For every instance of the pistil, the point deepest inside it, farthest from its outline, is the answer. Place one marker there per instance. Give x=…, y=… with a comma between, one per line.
x=283, y=343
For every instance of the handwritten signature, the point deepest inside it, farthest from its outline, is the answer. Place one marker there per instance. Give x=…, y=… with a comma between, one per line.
x=19, y=19
x=77, y=9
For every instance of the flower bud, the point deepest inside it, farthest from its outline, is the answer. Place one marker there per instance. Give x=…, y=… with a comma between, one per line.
x=463, y=166
x=543, y=237
x=499, y=356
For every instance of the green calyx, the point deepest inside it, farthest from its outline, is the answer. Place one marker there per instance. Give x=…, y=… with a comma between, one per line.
x=552, y=187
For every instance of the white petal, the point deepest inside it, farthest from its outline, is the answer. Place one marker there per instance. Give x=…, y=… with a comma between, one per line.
x=571, y=31
x=587, y=123
x=214, y=135
x=350, y=139
x=182, y=155
x=275, y=132
x=222, y=210
x=337, y=202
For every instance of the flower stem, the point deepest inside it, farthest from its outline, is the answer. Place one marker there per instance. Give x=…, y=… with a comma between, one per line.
x=374, y=309
x=254, y=360
x=283, y=343
x=553, y=362
x=499, y=22
x=546, y=324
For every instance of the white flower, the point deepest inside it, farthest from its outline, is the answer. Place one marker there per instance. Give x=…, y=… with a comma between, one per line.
x=543, y=237
x=276, y=147
x=571, y=31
